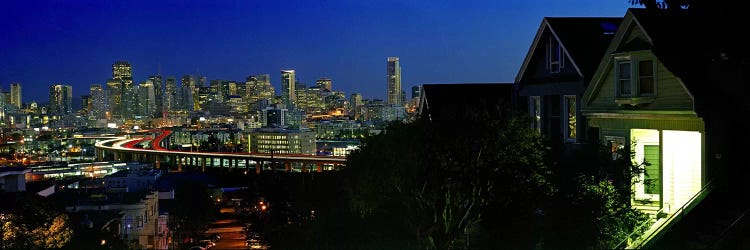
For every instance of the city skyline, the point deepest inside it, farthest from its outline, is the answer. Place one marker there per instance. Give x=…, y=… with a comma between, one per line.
x=76, y=43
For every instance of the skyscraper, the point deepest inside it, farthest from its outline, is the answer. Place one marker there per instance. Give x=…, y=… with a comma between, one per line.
x=60, y=99
x=324, y=83
x=170, y=93
x=189, y=92
x=120, y=88
x=122, y=70
x=146, y=98
x=158, y=94
x=98, y=101
x=288, y=93
x=394, y=81
x=15, y=94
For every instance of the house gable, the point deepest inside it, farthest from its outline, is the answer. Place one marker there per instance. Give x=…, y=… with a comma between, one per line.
x=633, y=44
x=536, y=67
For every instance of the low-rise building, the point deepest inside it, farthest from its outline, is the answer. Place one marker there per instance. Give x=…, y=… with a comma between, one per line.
x=282, y=141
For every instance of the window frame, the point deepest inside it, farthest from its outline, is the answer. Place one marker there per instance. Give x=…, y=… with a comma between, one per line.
x=535, y=111
x=554, y=48
x=566, y=111
x=635, y=78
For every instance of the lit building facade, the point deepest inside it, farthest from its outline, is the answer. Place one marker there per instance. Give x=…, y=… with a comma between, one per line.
x=282, y=141
x=60, y=99
x=394, y=81
x=15, y=95
x=288, y=93
x=324, y=83
x=98, y=101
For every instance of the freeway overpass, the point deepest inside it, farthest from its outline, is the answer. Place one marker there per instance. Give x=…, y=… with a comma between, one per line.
x=123, y=148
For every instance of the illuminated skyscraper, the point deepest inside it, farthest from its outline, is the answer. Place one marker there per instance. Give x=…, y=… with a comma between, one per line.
x=120, y=88
x=98, y=102
x=146, y=98
x=288, y=93
x=170, y=92
x=324, y=83
x=158, y=94
x=394, y=81
x=258, y=87
x=122, y=70
x=15, y=94
x=60, y=99
x=189, y=92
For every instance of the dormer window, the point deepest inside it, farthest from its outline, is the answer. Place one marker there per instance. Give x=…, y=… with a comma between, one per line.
x=554, y=55
x=635, y=79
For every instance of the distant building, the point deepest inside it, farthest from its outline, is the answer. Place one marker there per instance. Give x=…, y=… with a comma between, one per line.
x=170, y=93
x=282, y=141
x=394, y=81
x=324, y=83
x=131, y=181
x=147, y=99
x=158, y=94
x=274, y=116
x=98, y=102
x=12, y=179
x=60, y=99
x=15, y=95
x=288, y=85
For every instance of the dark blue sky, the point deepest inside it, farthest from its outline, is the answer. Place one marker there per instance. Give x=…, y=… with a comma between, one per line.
x=76, y=42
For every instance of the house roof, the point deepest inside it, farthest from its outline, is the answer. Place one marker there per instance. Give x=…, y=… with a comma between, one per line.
x=467, y=101
x=583, y=39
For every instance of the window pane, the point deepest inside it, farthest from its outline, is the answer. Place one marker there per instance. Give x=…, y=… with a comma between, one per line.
x=624, y=70
x=625, y=87
x=623, y=76
x=571, y=108
x=646, y=68
x=646, y=85
x=646, y=77
x=536, y=114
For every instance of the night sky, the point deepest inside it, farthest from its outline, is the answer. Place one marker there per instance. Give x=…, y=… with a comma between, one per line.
x=75, y=42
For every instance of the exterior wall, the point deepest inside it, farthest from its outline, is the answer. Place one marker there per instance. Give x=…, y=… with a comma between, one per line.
x=282, y=142
x=670, y=92
x=14, y=182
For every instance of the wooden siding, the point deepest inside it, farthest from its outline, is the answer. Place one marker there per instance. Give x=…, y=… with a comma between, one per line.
x=605, y=124
x=670, y=93
x=634, y=33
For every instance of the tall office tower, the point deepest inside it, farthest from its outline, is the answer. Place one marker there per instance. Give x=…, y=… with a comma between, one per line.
x=98, y=101
x=114, y=97
x=85, y=104
x=129, y=106
x=355, y=102
x=189, y=92
x=394, y=81
x=202, y=80
x=158, y=94
x=185, y=100
x=229, y=88
x=324, y=83
x=300, y=92
x=314, y=98
x=120, y=89
x=170, y=93
x=258, y=87
x=147, y=98
x=15, y=94
x=288, y=95
x=60, y=99
x=122, y=70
